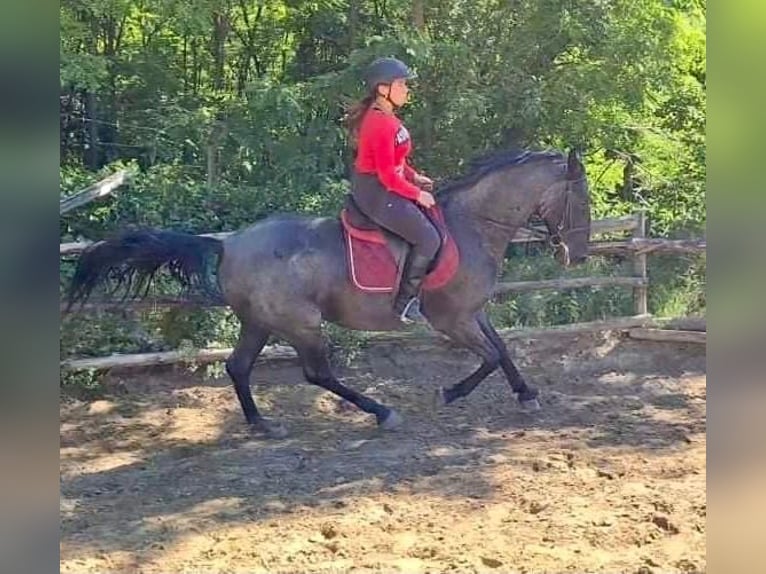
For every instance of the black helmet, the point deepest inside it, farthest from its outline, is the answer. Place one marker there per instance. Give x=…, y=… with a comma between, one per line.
x=385, y=71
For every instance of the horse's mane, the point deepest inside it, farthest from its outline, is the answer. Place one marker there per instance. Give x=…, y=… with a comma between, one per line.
x=489, y=163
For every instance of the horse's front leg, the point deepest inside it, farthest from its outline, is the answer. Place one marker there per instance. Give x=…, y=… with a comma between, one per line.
x=467, y=333
x=526, y=395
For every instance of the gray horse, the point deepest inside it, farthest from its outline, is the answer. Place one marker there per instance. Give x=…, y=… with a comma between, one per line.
x=285, y=274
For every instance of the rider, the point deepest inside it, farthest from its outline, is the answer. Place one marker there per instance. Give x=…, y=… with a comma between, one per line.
x=384, y=186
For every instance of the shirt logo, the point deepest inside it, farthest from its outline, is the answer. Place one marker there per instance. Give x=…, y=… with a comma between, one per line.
x=402, y=135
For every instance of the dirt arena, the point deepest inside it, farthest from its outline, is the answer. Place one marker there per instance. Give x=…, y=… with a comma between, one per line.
x=159, y=476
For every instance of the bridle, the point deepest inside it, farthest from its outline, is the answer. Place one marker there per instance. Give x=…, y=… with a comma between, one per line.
x=556, y=239
x=555, y=234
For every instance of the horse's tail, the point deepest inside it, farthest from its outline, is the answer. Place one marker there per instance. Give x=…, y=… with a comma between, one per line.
x=129, y=261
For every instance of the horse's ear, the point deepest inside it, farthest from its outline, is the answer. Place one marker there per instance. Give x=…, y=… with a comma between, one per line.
x=575, y=169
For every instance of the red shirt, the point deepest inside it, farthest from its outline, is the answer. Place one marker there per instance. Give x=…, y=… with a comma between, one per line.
x=383, y=147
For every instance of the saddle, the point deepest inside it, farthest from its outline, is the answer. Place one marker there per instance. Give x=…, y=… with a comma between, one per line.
x=375, y=256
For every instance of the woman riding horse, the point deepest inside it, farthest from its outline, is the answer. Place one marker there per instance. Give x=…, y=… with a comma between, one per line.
x=384, y=187
x=287, y=275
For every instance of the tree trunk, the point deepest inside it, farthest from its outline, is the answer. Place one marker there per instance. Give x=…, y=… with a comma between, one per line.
x=184, y=63
x=249, y=43
x=353, y=23
x=628, y=186
x=214, y=142
x=91, y=128
x=419, y=14
x=218, y=48
x=195, y=71
x=90, y=116
x=419, y=23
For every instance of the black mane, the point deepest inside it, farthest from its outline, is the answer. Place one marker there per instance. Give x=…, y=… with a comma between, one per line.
x=489, y=163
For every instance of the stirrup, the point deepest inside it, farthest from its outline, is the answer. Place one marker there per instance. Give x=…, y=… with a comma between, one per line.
x=411, y=312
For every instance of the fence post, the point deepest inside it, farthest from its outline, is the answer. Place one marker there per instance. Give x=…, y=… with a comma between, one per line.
x=639, y=268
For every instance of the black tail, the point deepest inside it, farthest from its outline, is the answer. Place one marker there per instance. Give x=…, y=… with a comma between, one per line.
x=129, y=261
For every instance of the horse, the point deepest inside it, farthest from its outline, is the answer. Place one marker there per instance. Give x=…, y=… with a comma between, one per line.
x=286, y=274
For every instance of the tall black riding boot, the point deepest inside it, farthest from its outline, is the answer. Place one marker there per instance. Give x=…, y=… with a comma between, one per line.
x=407, y=303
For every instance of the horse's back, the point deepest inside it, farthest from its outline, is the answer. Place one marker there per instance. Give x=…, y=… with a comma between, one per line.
x=290, y=232
x=298, y=256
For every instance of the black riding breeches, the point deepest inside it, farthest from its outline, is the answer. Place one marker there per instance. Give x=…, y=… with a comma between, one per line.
x=396, y=213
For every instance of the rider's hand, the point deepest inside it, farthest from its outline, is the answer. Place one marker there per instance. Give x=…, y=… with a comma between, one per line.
x=426, y=199
x=424, y=182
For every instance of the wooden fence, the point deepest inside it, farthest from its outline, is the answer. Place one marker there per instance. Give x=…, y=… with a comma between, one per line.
x=98, y=190
x=635, y=246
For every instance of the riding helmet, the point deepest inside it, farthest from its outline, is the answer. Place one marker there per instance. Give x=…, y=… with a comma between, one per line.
x=385, y=71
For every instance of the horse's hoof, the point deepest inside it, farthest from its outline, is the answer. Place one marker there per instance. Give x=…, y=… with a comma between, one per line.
x=531, y=406
x=270, y=429
x=439, y=399
x=391, y=422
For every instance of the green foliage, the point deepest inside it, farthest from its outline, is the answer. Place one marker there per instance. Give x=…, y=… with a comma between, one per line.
x=231, y=111
x=199, y=329
x=345, y=345
x=85, y=385
x=678, y=286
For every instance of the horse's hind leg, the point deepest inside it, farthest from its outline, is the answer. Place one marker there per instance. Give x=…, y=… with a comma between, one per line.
x=312, y=349
x=239, y=365
x=526, y=395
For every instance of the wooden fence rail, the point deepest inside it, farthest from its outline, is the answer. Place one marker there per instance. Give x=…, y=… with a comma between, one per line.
x=419, y=340
x=647, y=246
x=574, y=283
x=95, y=191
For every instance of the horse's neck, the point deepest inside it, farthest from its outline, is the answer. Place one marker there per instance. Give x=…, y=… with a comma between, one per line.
x=495, y=219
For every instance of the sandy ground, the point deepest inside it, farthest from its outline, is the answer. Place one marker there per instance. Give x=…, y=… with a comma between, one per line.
x=159, y=475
